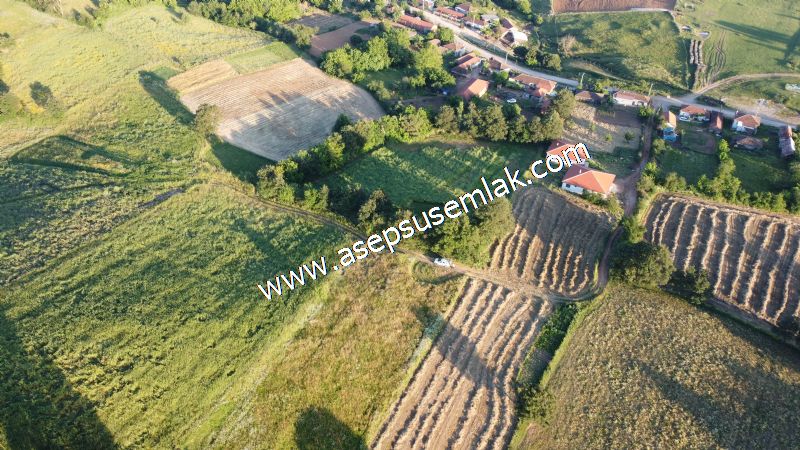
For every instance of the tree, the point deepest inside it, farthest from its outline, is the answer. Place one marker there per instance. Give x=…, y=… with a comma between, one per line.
x=376, y=56
x=567, y=44
x=643, y=264
x=524, y=6
x=338, y=63
x=302, y=35
x=564, y=103
x=206, y=119
x=445, y=35
x=447, y=120
x=493, y=123
x=628, y=136
x=42, y=95
x=518, y=130
x=341, y=122
x=316, y=199
x=552, y=126
x=376, y=211
x=552, y=61
x=399, y=44
x=693, y=285
x=633, y=230
x=470, y=120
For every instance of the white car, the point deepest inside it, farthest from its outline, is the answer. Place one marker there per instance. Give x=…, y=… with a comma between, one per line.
x=511, y=100
x=444, y=262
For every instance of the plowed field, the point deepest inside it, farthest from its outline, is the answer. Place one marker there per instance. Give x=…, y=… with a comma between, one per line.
x=560, y=6
x=555, y=244
x=278, y=111
x=753, y=259
x=462, y=396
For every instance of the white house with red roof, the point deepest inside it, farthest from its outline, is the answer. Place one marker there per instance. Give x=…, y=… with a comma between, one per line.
x=692, y=112
x=628, y=98
x=475, y=88
x=559, y=148
x=580, y=179
x=746, y=123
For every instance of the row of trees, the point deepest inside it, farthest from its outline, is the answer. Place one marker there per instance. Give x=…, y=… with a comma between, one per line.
x=723, y=186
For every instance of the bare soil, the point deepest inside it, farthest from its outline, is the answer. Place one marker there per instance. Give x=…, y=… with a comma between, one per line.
x=332, y=40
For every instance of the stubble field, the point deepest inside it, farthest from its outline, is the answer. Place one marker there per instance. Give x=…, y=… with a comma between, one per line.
x=278, y=111
x=753, y=259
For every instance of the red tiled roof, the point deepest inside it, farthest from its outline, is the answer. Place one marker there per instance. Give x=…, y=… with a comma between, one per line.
x=590, y=179
x=558, y=147
x=414, y=22
x=748, y=120
x=450, y=12
x=475, y=88
x=546, y=85
x=496, y=64
x=478, y=22
x=693, y=110
x=453, y=46
x=465, y=6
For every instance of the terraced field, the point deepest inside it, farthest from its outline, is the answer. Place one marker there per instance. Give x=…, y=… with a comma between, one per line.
x=753, y=259
x=555, y=244
x=462, y=396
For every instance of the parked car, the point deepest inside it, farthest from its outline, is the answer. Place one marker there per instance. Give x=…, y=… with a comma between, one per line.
x=443, y=262
x=511, y=100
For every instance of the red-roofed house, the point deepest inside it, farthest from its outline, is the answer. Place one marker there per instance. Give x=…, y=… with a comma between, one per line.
x=475, y=88
x=498, y=66
x=785, y=141
x=628, y=98
x=477, y=24
x=451, y=14
x=464, y=8
x=579, y=179
x=466, y=64
x=692, y=112
x=456, y=48
x=746, y=123
x=416, y=23
x=559, y=146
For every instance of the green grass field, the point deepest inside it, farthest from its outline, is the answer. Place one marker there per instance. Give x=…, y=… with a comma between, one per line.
x=754, y=36
x=645, y=369
x=261, y=58
x=618, y=163
x=417, y=175
x=632, y=45
x=761, y=170
x=772, y=89
x=688, y=164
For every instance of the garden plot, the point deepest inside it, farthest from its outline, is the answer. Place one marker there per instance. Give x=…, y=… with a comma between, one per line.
x=603, y=131
x=278, y=111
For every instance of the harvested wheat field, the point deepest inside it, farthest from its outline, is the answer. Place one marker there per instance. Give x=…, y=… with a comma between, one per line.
x=332, y=40
x=555, y=244
x=753, y=258
x=560, y=6
x=462, y=395
x=277, y=111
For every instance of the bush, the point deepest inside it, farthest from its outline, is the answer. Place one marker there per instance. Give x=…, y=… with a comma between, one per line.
x=206, y=119
x=643, y=264
x=692, y=285
x=633, y=230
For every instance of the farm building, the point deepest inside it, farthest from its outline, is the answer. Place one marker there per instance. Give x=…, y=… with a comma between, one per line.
x=786, y=141
x=477, y=24
x=456, y=48
x=559, y=146
x=715, y=123
x=449, y=13
x=464, y=8
x=746, y=123
x=466, y=64
x=495, y=65
x=475, y=88
x=507, y=23
x=490, y=18
x=514, y=37
x=628, y=98
x=670, y=126
x=691, y=112
x=579, y=179
x=416, y=23
x=748, y=142
x=590, y=97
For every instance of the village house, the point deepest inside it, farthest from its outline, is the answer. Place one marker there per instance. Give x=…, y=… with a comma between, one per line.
x=477, y=24
x=746, y=123
x=748, y=142
x=670, y=126
x=435, y=42
x=715, y=123
x=449, y=14
x=786, y=141
x=691, y=112
x=466, y=64
x=514, y=38
x=464, y=8
x=628, y=98
x=457, y=49
x=538, y=88
x=507, y=23
x=495, y=65
x=490, y=18
x=580, y=179
x=416, y=23
x=475, y=88
x=559, y=146
x=594, y=98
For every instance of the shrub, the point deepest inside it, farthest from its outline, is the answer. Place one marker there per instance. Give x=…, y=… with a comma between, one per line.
x=692, y=285
x=643, y=264
x=206, y=119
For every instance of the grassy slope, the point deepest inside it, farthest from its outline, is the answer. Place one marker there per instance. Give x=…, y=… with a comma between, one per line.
x=433, y=171
x=648, y=370
x=635, y=46
x=758, y=36
x=773, y=89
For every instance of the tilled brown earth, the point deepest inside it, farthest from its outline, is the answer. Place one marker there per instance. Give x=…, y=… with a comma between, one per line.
x=462, y=395
x=753, y=259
